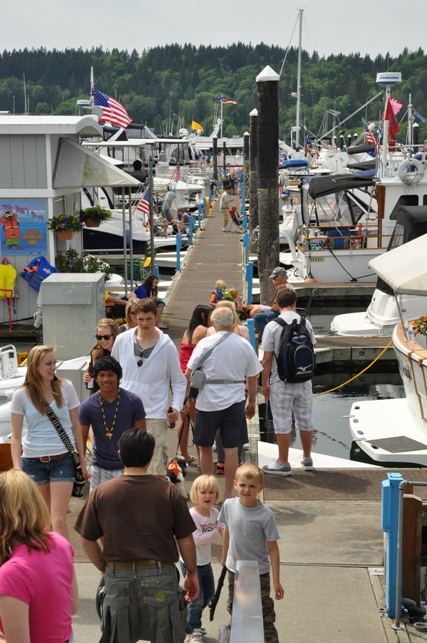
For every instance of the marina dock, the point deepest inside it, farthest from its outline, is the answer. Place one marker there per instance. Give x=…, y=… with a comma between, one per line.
x=331, y=542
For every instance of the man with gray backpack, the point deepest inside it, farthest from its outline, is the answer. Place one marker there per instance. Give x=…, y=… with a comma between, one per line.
x=289, y=363
x=222, y=366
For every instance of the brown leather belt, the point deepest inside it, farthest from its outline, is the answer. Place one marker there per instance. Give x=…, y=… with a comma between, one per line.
x=139, y=564
x=51, y=458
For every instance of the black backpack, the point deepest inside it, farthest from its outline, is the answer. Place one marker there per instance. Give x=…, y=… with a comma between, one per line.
x=296, y=359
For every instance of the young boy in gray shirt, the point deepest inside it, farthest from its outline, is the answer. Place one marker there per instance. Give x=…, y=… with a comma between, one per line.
x=251, y=534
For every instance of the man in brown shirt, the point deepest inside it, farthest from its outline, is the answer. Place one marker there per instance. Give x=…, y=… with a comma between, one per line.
x=140, y=516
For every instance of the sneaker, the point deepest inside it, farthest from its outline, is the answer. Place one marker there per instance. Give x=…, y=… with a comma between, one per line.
x=278, y=469
x=307, y=464
x=225, y=229
x=195, y=637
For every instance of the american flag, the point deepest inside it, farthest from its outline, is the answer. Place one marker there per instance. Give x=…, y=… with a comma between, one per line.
x=222, y=99
x=112, y=110
x=144, y=204
x=370, y=138
x=177, y=173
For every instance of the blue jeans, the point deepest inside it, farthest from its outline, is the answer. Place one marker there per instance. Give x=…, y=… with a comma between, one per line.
x=63, y=470
x=262, y=319
x=207, y=591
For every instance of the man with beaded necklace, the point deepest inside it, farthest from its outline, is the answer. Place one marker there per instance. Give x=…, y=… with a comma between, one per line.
x=110, y=412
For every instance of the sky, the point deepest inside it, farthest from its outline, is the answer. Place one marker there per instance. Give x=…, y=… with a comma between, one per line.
x=330, y=26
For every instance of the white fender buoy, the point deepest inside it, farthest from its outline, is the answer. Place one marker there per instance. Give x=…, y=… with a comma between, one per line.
x=410, y=178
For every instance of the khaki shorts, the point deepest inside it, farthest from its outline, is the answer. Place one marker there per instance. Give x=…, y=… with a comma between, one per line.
x=159, y=430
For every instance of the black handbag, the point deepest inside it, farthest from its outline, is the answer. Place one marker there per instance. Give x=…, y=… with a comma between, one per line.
x=79, y=482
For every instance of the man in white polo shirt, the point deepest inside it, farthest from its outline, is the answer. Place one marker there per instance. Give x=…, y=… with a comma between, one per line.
x=230, y=368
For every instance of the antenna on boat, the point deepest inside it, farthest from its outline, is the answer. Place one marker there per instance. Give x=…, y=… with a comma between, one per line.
x=25, y=96
x=387, y=79
x=297, y=125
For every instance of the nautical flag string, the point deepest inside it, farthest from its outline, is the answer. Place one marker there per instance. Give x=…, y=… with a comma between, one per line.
x=370, y=138
x=177, y=173
x=112, y=110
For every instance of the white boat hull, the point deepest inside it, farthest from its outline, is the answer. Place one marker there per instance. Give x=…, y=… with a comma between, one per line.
x=396, y=430
x=341, y=266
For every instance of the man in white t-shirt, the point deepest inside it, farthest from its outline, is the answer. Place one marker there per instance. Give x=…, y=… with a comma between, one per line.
x=221, y=404
x=286, y=397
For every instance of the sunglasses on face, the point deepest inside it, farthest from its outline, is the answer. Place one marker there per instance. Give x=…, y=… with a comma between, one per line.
x=106, y=337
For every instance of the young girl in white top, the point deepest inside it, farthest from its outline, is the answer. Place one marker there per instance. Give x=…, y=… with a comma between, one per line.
x=204, y=493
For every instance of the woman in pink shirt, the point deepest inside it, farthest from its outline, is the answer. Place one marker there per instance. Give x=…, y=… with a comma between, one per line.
x=38, y=587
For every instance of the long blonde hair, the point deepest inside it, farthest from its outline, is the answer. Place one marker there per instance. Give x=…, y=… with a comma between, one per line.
x=34, y=382
x=97, y=351
x=23, y=514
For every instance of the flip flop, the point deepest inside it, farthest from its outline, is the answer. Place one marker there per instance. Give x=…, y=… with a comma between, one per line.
x=163, y=326
x=192, y=459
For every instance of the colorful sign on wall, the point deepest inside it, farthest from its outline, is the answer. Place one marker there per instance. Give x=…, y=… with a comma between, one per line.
x=23, y=229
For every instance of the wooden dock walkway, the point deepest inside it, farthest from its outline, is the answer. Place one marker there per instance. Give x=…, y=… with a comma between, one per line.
x=216, y=255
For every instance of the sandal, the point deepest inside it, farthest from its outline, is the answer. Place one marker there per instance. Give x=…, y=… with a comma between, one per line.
x=163, y=326
x=191, y=459
x=219, y=469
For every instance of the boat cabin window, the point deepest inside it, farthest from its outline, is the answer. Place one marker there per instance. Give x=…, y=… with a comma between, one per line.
x=425, y=199
x=405, y=199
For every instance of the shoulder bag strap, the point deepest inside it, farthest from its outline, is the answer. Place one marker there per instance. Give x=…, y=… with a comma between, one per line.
x=58, y=426
x=203, y=359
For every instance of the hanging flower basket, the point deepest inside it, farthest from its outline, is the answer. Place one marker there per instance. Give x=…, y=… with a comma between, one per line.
x=92, y=223
x=65, y=235
x=92, y=217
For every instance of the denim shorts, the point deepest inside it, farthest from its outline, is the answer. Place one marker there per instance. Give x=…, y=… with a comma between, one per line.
x=63, y=470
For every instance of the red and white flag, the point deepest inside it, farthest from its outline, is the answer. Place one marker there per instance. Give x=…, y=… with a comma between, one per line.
x=177, y=173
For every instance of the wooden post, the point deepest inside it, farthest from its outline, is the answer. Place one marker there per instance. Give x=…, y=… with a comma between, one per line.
x=246, y=151
x=411, y=546
x=253, y=180
x=215, y=157
x=268, y=202
x=224, y=156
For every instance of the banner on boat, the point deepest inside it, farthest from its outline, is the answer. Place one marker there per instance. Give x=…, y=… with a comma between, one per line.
x=23, y=229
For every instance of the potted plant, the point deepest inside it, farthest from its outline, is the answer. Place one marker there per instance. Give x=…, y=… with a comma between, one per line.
x=65, y=225
x=93, y=217
x=71, y=261
x=420, y=328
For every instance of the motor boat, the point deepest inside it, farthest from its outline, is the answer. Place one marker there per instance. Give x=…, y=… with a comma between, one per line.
x=386, y=310
x=394, y=432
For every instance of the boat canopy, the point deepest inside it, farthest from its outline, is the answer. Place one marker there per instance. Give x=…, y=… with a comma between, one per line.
x=77, y=167
x=405, y=269
x=324, y=185
x=411, y=223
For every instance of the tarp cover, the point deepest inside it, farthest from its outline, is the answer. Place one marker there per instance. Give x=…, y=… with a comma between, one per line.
x=324, y=185
x=404, y=269
x=77, y=167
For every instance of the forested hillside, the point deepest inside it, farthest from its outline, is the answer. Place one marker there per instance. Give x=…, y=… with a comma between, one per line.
x=178, y=84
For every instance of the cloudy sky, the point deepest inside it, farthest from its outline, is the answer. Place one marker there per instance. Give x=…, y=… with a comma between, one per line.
x=331, y=26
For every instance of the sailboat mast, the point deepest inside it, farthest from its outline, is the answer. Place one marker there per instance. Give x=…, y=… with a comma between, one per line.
x=297, y=138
